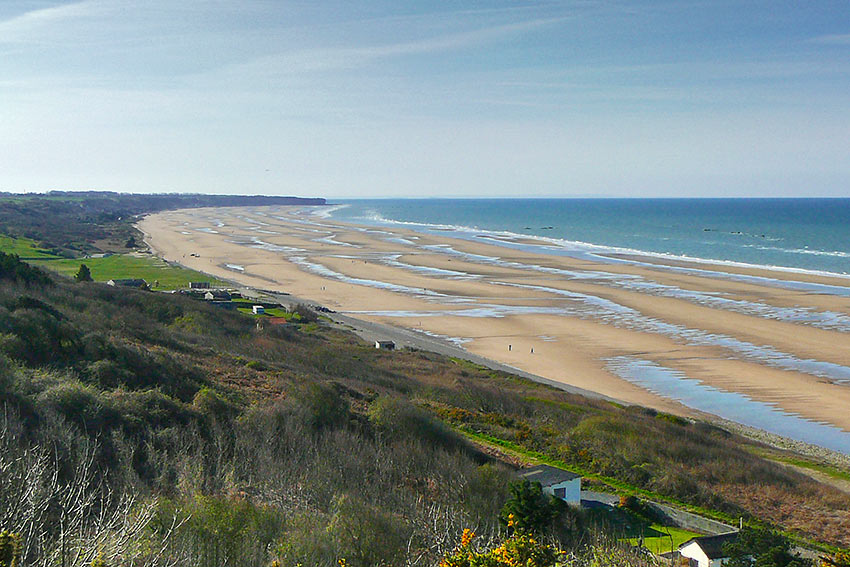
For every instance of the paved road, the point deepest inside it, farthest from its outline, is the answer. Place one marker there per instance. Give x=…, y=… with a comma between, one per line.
x=407, y=338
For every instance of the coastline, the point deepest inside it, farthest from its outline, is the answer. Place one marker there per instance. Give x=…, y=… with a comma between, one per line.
x=427, y=288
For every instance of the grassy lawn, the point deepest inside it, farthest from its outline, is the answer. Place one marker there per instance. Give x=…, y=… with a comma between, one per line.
x=657, y=540
x=23, y=247
x=126, y=266
x=275, y=312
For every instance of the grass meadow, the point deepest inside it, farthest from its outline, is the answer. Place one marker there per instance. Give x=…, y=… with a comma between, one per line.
x=126, y=266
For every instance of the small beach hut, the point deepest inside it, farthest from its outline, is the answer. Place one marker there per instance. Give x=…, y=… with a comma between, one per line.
x=707, y=551
x=555, y=482
x=137, y=283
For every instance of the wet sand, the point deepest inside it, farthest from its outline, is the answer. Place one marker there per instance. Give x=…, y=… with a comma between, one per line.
x=566, y=318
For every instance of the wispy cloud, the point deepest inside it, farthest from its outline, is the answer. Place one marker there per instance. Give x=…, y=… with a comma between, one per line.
x=832, y=39
x=326, y=59
x=30, y=26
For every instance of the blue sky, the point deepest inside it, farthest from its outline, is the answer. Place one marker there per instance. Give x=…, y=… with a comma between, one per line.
x=392, y=99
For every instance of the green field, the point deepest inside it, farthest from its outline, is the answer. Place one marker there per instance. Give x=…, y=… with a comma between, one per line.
x=23, y=247
x=126, y=266
x=657, y=538
x=273, y=312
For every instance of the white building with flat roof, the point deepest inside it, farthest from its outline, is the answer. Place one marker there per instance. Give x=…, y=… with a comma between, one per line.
x=556, y=482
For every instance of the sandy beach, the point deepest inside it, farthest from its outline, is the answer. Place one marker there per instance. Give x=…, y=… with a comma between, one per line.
x=575, y=320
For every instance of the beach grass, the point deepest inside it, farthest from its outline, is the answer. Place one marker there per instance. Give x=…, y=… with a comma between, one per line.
x=803, y=463
x=128, y=266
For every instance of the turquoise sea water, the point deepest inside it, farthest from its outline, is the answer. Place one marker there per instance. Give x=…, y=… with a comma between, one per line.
x=807, y=234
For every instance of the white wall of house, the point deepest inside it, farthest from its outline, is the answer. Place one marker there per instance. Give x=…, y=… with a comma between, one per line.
x=572, y=490
x=694, y=551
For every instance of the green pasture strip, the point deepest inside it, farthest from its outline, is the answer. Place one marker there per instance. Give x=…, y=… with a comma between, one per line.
x=657, y=538
x=621, y=487
x=271, y=312
x=828, y=470
x=126, y=266
x=26, y=248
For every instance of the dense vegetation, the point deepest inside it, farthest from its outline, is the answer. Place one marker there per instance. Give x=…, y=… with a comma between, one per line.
x=159, y=430
x=73, y=223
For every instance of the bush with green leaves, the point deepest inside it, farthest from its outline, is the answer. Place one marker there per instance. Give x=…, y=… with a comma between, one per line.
x=10, y=549
x=529, y=509
x=83, y=274
x=757, y=547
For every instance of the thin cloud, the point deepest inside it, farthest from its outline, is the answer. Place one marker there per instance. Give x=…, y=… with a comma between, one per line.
x=832, y=39
x=29, y=25
x=325, y=59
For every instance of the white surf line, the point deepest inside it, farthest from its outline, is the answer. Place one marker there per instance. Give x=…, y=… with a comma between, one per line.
x=481, y=311
x=332, y=240
x=393, y=261
x=795, y=285
x=827, y=320
x=620, y=315
x=325, y=211
x=257, y=243
x=457, y=341
x=601, y=253
x=400, y=240
x=324, y=271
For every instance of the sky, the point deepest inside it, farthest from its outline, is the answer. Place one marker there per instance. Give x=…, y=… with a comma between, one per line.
x=447, y=98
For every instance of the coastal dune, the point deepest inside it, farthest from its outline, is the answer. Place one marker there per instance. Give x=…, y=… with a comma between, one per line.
x=585, y=321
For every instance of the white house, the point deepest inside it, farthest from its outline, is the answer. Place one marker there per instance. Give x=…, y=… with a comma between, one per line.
x=258, y=310
x=137, y=283
x=557, y=482
x=217, y=295
x=385, y=345
x=707, y=551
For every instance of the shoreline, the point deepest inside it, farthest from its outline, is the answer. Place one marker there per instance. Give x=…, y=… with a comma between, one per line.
x=603, y=252
x=356, y=277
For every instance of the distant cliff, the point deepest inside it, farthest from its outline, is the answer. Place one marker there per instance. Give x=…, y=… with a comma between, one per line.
x=71, y=223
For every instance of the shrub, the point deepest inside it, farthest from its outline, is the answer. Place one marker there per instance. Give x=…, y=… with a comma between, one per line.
x=321, y=406
x=83, y=274
x=78, y=403
x=529, y=510
x=10, y=549
x=519, y=549
x=305, y=313
x=400, y=419
x=367, y=536
x=212, y=406
x=11, y=268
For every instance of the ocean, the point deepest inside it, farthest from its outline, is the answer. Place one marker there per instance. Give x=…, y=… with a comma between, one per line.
x=802, y=236
x=811, y=235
